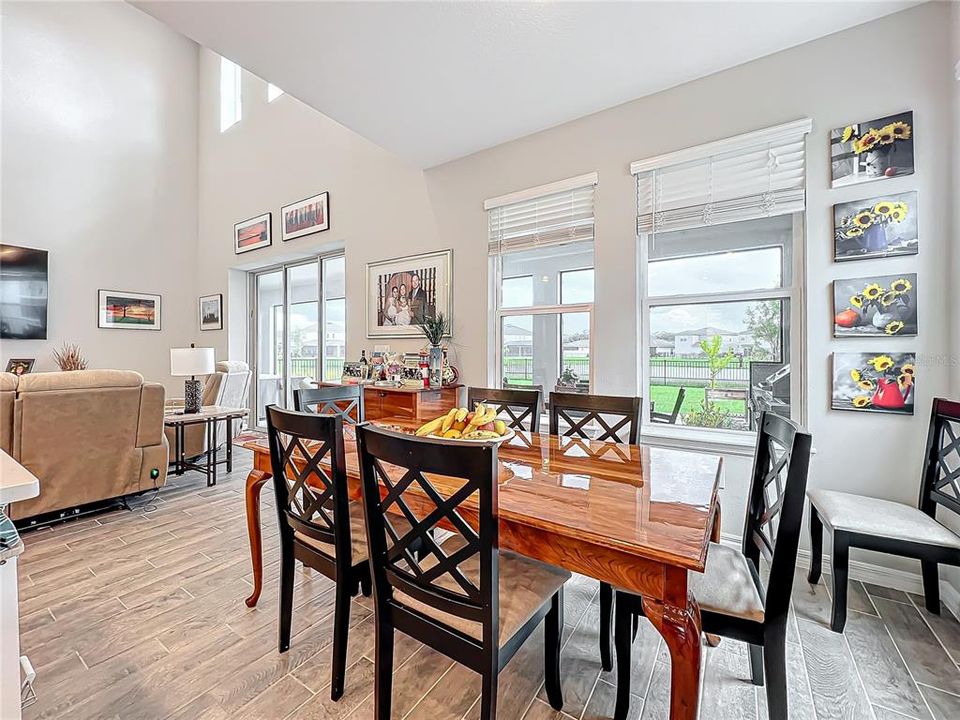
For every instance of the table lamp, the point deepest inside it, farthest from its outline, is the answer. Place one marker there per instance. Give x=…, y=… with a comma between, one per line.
x=190, y=362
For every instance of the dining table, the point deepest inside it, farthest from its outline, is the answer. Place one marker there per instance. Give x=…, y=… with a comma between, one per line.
x=639, y=517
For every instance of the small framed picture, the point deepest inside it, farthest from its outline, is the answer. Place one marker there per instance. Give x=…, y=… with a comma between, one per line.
x=253, y=234
x=874, y=382
x=305, y=217
x=20, y=366
x=211, y=312
x=877, y=149
x=128, y=310
x=876, y=227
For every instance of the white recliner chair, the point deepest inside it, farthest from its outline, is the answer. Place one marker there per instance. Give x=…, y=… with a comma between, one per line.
x=229, y=386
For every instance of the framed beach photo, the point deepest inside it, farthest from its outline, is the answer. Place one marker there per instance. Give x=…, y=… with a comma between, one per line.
x=211, y=312
x=874, y=382
x=253, y=234
x=128, y=310
x=305, y=217
x=403, y=292
x=872, y=150
x=875, y=306
x=876, y=227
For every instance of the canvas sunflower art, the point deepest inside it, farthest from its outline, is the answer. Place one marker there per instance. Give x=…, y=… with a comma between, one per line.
x=874, y=382
x=877, y=227
x=872, y=150
x=883, y=305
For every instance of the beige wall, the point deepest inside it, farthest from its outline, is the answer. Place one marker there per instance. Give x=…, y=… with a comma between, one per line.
x=380, y=208
x=99, y=168
x=279, y=153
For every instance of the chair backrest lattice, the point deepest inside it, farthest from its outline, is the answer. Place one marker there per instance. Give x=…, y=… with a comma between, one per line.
x=941, y=477
x=346, y=400
x=596, y=417
x=521, y=408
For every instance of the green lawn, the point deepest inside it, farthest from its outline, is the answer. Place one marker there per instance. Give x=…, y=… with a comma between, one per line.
x=664, y=397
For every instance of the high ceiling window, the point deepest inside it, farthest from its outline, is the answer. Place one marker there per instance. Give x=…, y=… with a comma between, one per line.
x=230, y=94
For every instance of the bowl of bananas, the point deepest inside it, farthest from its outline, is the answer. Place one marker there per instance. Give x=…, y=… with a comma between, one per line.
x=477, y=425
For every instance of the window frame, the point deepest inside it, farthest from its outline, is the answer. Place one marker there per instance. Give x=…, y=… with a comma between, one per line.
x=499, y=312
x=794, y=293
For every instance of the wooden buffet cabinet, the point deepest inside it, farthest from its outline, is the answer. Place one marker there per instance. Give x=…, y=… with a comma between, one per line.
x=411, y=402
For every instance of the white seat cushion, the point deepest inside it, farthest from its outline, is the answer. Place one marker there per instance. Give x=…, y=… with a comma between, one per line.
x=358, y=536
x=726, y=586
x=883, y=518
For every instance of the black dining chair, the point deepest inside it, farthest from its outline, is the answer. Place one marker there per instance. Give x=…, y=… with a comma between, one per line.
x=668, y=418
x=346, y=400
x=319, y=526
x=615, y=419
x=462, y=596
x=521, y=407
x=734, y=602
x=891, y=527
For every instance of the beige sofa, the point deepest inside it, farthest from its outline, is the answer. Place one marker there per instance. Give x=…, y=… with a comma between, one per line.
x=88, y=435
x=229, y=386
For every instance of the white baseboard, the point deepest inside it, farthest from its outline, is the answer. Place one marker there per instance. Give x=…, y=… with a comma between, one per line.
x=874, y=574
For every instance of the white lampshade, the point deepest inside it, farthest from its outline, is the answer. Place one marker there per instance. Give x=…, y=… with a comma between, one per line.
x=191, y=361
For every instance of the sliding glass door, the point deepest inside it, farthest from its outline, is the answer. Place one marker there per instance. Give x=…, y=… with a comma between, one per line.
x=296, y=339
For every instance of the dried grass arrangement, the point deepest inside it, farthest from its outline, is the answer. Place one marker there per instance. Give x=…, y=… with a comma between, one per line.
x=69, y=357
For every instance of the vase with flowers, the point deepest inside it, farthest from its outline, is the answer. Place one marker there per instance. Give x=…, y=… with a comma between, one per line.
x=878, y=147
x=887, y=307
x=869, y=226
x=434, y=329
x=888, y=383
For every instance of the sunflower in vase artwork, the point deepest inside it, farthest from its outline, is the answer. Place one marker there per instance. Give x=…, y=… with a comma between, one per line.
x=869, y=225
x=880, y=144
x=888, y=383
x=886, y=308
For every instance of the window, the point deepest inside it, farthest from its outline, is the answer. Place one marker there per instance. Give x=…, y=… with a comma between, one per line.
x=230, y=101
x=273, y=92
x=721, y=236
x=334, y=316
x=541, y=253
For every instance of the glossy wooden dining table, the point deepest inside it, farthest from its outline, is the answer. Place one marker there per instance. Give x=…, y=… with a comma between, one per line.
x=637, y=517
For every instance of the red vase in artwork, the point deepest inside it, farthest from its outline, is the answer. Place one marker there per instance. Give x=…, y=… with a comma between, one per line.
x=889, y=396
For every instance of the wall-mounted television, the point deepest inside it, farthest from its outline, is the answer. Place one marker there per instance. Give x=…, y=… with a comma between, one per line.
x=23, y=293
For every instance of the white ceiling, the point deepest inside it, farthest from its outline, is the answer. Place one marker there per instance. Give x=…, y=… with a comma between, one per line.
x=434, y=81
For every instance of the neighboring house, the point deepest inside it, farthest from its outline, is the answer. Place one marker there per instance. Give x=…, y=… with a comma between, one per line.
x=517, y=341
x=688, y=343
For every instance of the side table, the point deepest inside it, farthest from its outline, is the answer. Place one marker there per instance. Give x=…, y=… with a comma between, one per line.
x=209, y=416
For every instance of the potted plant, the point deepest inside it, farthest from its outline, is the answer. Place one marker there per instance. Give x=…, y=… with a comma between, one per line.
x=435, y=328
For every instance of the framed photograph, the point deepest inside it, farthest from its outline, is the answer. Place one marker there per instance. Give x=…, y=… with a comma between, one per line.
x=872, y=150
x=881, y=305
x=305, y=217
x=402, y=292
x=877, y=227
x=253, y=234
x=874, y=382
x=128, y=310
x=20, y=366
x=211, y=312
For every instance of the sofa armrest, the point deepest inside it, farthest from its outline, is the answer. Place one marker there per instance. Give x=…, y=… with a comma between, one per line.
x=150, y=426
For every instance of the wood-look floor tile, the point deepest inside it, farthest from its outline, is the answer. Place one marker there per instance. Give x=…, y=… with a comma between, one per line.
x=604, y=700
x=358, y=686
x=884, y=674
x=876, y=591
x=945, y=626
x=520, y=680
x=837, y=691
x=450, y=698
x=799, y=700
x=580, y=660
x=277, y=701
x=945, y=706
x=540, y=710
x=925, y=657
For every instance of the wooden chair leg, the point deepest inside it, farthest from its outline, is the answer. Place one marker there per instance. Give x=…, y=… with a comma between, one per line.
x=624, y=647
x=606, y=617
x=255, y=482
x=775, y=671
x=816, y=546
x=756, y=663
x=287, y=564
x=553, y=632
x=488, y=697
x=931, y=585
x=383, y=671
x=341, y=629
x=840, y=564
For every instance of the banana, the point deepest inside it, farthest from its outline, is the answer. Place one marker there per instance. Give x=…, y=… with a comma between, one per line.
x=490, y=417
x=430, y=427
x=453, y=434
x=481, y=435
x=479, y=411
x=461, y=414
x=448, y=420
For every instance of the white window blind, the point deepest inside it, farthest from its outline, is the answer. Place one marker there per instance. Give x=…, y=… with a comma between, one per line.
x=749, y=176
x=554, y=214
